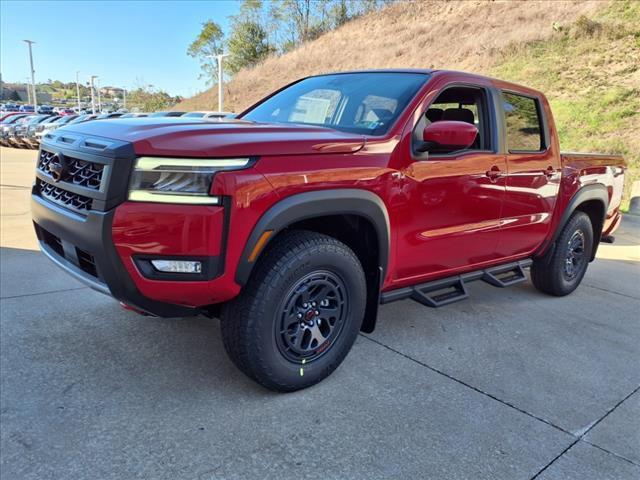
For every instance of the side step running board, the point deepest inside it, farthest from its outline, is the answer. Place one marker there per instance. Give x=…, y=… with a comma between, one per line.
x=439, y=293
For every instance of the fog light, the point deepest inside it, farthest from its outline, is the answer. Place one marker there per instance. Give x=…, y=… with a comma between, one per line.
x=177, y=266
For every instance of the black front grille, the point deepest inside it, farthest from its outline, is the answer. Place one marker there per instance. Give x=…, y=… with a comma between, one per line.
x=63, y=197
x=79, y=172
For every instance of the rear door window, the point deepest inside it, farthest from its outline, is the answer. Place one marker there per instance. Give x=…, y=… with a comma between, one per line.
x=523, y=123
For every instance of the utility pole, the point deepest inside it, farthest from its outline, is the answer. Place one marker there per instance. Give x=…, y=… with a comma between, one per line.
x=78, y=89
x=93, y=93
x=220, y=90
x=33, y=76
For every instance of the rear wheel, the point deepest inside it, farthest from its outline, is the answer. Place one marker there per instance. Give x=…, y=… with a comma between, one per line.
x=561, y=270
x=299, y=314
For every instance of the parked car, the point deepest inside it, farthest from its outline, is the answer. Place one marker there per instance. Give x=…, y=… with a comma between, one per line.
x=66, y=111
x=134, y=115
x=46, y=109
x=210, y=115
x=83, y=118
x=11, y=107
x=36, y=132
x=335, y=194
x=5, y=115
x=104, y=116
x=27, y=108
x=8, y=129
x=167, y=114
x=19, y=138
x=7, y=124
x=22, y=134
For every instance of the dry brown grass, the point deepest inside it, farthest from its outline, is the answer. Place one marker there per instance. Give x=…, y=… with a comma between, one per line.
x=464, y=35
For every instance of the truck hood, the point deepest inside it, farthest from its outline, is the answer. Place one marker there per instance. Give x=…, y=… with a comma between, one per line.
x=229, y=138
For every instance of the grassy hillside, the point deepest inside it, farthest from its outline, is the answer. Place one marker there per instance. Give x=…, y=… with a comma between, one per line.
x=590, y=70
x=584, y=55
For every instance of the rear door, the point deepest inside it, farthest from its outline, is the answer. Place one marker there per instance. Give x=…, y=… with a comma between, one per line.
x=533, y=174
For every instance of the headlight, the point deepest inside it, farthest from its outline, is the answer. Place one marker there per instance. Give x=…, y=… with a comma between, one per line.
x=178, y=180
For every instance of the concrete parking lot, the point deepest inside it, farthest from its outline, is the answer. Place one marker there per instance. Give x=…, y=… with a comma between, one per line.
x=510, y=384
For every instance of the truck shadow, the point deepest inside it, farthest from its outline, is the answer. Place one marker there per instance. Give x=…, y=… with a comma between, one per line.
x=45, y=313
x=49, y=316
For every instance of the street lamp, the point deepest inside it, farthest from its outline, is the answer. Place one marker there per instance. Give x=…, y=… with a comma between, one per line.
x=33, y=76
x=99, y=98
x=220, y=93
x=78, y=89
x=93, y=93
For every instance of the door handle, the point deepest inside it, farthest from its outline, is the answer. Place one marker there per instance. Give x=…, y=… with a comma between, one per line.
x=494, y=173
x=549, y=172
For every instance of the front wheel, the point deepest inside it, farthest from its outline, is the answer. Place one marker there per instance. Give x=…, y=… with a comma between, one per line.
x=561, y=270
x=299, y=314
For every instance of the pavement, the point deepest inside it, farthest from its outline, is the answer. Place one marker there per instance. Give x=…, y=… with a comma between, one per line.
x=510, y=384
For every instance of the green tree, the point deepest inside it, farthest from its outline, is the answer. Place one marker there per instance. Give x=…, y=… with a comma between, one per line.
x=339, y=14
x=248, y=46
x=205, y=47
x=148, y=99
x=248, y=43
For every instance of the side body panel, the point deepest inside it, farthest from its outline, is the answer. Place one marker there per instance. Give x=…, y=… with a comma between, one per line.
x=584, y=171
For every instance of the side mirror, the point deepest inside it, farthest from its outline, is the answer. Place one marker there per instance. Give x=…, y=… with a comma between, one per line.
x=447, y=135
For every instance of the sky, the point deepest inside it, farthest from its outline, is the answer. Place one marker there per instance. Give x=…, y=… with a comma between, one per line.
x=125, y=43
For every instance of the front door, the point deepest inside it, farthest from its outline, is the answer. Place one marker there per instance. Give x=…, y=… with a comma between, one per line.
x=454, y=199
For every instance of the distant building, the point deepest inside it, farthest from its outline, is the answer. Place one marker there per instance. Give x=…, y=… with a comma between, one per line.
x=18, y=93
x=111, y=91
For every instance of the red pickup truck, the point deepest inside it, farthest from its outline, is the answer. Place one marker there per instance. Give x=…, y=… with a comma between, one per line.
x=336, y=193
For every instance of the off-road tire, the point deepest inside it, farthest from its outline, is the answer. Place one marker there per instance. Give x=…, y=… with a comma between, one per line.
x=249, y=322
x=549, y=272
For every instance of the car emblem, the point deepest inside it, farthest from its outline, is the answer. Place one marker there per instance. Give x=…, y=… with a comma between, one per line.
x=57, y=167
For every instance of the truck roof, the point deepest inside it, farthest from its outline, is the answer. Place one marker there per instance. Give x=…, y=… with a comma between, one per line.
x=429, y=71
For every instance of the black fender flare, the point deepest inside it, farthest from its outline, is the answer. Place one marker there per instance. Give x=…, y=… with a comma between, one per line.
x=587, y=193
x=303, y=206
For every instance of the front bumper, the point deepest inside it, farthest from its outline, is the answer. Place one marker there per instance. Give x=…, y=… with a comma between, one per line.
x=17, y=140
x=86, y=226
x=82, y=246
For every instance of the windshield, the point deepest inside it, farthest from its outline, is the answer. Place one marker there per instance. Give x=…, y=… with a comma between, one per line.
x=193, y=115
x=80, y=118
x=63, y=120
x=366, y=103
x=37, y=119
x=12, y=118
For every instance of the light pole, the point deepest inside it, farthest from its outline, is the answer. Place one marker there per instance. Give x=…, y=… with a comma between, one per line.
x=99, y=98
x=78, y=89
x=33, y=76
x=220, y=92
x=93, y=93
x=27, y=85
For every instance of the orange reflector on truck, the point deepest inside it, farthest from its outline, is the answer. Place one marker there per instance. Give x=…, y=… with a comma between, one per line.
x=259, y=244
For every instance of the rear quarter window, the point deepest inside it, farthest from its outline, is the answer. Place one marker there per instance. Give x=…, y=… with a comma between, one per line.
x=523, y=123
